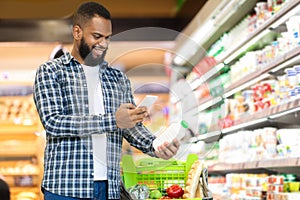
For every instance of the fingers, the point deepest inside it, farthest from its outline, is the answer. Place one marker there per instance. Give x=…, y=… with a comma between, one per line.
x=139, y=111
x=127, y=106
x=128, y=115
x=132, y=109
x=137, y=114
x=168, y=150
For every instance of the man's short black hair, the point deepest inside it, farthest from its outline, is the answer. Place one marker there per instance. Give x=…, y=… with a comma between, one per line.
x=87, y=11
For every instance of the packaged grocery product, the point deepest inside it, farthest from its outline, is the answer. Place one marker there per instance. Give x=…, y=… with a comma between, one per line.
x=289, y=140
x=294, y=28
x=273, y=179
x=173, y=131
x=294, y=186
x=275, y=188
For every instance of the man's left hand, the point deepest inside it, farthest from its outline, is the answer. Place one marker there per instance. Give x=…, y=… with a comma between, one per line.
x=167, y=150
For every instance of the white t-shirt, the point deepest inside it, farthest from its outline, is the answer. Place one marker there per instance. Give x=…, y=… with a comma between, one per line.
x=96, y=107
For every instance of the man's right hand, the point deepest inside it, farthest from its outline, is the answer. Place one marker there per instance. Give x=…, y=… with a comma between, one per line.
x=128, y=115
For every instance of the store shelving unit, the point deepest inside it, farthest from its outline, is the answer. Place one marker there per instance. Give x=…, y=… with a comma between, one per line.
x=21, y=144
x=21, y=158
x=283, y=165
x=289, y=58
x=288, y=162
x=284, y=113
x=272, y=23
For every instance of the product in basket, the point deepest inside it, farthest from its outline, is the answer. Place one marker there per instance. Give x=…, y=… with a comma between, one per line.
x=196, y=185
x=173, y=131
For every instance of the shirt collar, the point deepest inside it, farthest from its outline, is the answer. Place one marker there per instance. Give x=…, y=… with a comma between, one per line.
x=66, y=58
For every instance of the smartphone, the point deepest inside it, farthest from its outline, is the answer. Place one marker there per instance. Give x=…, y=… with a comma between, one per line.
x=148, y=101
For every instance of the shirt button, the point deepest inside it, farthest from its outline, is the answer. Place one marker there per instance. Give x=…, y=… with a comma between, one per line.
x=92, y=174
x=84, y=85
x=86, y=106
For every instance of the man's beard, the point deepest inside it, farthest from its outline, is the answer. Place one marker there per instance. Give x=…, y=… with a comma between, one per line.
x=87, y=55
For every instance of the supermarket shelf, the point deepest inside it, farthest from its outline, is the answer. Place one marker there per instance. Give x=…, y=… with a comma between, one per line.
x=246, y=82
x=283, y=110
x=230, y=19
x=208, y=102
x=283, y=113
x=14, y=190
x=209, y=137
x=289, y=58
x=283, y=163
x=257, y=123
x=266, y=116
x=204, y=104
x=263, y=30
x=22, y=174
x=8, y=128
x=260, y=32
x=17, y=153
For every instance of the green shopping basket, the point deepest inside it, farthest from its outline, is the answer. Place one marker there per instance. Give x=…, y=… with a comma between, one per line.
x=155, y=172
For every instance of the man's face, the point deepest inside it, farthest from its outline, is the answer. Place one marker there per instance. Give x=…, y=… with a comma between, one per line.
x=89, y=55
x=94, y=42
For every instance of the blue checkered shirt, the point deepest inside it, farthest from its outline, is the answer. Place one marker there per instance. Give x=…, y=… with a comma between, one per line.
x=61, y=98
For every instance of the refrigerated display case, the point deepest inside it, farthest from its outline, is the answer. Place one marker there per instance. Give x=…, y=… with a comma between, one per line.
x=254, y=61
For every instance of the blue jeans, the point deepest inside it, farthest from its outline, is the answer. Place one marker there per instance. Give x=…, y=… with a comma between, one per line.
x=100, y=193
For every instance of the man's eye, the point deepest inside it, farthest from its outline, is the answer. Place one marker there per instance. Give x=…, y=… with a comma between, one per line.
x=101, y=36
x=97, y=36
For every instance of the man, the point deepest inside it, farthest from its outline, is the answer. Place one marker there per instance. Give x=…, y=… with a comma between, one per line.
x=87, y=108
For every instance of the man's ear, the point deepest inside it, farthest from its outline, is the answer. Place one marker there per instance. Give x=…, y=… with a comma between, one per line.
x=77, y=32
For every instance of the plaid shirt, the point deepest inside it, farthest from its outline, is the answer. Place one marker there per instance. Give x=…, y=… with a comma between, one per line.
x=61, y=98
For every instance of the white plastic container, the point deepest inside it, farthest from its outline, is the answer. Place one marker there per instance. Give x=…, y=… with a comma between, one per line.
x=175, y=130
x=297, y=69
x=293, y=27
x=290, y=138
